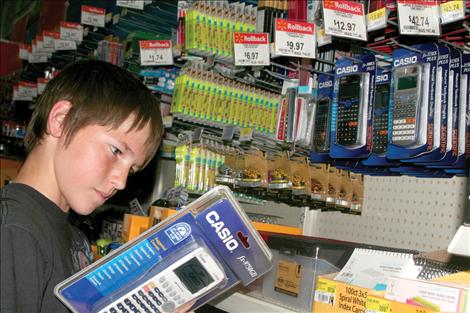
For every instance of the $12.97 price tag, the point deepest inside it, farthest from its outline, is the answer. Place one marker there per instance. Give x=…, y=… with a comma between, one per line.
x=418, y=17
x=251, y=49
x=155, y=52
x=293, y=38
x=345, y=19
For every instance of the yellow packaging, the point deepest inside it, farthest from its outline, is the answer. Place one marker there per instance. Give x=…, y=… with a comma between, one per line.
x=334, y=183
x=254, y=170
x=319, y=181
x=337, y=297
x=300, y=171
x=345, y=191
x=134, y=225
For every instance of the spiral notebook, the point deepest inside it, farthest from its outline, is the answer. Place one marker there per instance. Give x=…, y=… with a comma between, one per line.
x=370, y=268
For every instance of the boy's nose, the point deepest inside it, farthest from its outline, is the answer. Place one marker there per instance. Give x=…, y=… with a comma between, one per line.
x=119, y=177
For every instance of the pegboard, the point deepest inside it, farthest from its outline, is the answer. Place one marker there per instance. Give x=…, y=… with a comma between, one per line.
x=401, y=212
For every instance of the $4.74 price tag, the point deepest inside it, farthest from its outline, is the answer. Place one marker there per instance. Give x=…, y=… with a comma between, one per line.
x=155, y=52
x=251, y=49
x=419, y=17
x=345, y=19
x=293, y=38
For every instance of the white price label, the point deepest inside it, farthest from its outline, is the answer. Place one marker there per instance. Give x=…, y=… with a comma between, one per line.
x=48, y=38
x=71, y=31
x=377, y=19
x=133, y=4
x=37, y=58
x=345, y=19
x=251, y=49
x=42, y=82
x=24, y=52
x=293, y=38
x=246, y=134
x=40, y=48
x=419, y=17
x=93, y=16
x=60, y=44
x=322, y=38
x=27, y=89
x=452, y=11
x=155, y=52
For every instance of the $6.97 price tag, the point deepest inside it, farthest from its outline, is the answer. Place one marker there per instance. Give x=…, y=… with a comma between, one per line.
x=251, y=49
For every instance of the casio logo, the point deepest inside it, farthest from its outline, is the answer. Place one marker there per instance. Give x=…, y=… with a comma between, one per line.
x=347, y=69
x=382, y=78
x=328, y=83
x=222, y=232
x=405, y=61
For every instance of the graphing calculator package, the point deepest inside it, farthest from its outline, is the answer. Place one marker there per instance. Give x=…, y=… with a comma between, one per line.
x=351, y=118
x=439, y=124
x=411, y=117
x=320, y=143
x=180, y=264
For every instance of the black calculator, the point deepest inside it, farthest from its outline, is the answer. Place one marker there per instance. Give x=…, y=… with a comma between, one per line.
x=321, y=126
x=380, y=119
x=351, y=113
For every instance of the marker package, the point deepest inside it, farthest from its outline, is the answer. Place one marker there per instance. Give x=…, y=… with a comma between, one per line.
x=411, y=116
x=353, y=97
x=180, y=264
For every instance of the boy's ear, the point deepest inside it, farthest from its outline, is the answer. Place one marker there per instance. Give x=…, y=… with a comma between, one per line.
x=56, y=117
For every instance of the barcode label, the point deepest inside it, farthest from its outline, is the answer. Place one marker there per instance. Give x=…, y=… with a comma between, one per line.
x=324, y=297
x=411, y=27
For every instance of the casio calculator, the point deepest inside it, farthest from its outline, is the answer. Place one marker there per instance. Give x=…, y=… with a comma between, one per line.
x=181, y=282
x=321, y=127
x=380, y=119
x=352, y=110
x=408, y=106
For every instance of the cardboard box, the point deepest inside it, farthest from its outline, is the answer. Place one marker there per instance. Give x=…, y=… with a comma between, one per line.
x=335, y=297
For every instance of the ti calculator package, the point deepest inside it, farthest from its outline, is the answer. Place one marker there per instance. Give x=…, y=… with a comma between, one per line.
x=185, y=261
x=351, y=118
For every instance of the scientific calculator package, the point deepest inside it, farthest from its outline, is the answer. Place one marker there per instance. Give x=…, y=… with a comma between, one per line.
x=183, y=262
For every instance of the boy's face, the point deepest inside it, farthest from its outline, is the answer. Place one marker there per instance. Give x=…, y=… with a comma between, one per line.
x=96, y=164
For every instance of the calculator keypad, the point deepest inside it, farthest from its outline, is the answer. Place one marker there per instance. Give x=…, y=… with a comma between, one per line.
x=380, y=133
x=321, y=133
x=347, y=125
x=404, y=121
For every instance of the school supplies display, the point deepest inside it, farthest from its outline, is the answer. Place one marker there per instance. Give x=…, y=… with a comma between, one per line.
x=181, y=263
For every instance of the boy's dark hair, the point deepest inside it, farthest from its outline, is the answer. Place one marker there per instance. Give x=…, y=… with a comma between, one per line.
x=101, y=94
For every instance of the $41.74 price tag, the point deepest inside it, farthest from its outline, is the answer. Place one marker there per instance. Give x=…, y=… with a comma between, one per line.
x=345, y=19
x=293, y=38
x=251, y=49
x=419, y=17
x=155, y=52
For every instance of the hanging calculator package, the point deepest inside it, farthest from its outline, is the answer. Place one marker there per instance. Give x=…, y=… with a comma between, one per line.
x=178, y=265
x=352, y=105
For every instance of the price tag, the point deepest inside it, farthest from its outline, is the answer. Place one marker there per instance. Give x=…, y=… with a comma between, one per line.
x=27, y=89
x=168, y=121
x=377, y=19
x=48, y=38
x=24, y=51
x=60, y=44
x=452, y=11
x=155, y=52
x=93, y=16
x=228, y=132
x=322, y=38
x=133, y=4
x=40, y=48
x=42, y=82
x=295, y=39
x=376, y=305
x=71, y=31
x=246, y=134
x=345, y=19
x=325, y=292
x=419, y=17
x=37, y=58
x=251, y=49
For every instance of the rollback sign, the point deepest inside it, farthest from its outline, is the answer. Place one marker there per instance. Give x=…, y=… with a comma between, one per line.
x=294, y=38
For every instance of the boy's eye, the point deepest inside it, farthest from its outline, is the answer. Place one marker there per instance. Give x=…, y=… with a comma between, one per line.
x=115, y=150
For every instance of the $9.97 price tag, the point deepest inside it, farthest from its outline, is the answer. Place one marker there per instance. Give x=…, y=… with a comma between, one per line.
x=345, y=19
x=155, y=52
x=251, y=49
x=418, y=17
x=293, y=38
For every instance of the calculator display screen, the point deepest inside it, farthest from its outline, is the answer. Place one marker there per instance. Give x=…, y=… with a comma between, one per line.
x=350, y=87
x=193, y=275
x=407, y=82
x=382, y=95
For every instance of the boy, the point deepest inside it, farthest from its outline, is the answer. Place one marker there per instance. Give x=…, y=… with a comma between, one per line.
x=93, y=125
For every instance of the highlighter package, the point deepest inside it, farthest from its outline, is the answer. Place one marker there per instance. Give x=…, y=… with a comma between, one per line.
x=179, y=264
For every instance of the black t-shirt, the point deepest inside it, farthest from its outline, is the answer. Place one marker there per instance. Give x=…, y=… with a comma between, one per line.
x=39, y=249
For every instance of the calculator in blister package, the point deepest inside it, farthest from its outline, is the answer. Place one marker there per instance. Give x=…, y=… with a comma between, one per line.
x=181, y=282
x=321, y=126
x=409, y=106
x=380, y=121
x=351, y=120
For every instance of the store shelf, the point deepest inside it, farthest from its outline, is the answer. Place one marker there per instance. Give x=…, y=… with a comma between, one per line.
x=237, y=302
